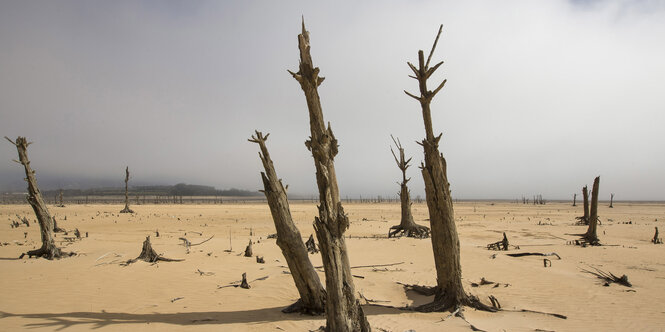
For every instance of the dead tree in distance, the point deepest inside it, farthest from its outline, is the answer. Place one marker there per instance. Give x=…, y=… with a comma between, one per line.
x=343, y=310
x=62, y=204
x=449, y=292
x=48, y=249
x=574, y=199
x=584, y=220
x=312, y=294
x=406, y=226
x=590, y=236
x=127, y=209
x=611, y=200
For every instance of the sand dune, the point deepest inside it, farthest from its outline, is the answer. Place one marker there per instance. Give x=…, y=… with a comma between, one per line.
x=93, y=291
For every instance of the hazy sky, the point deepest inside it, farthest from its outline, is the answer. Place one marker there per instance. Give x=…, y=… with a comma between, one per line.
x=541, y=96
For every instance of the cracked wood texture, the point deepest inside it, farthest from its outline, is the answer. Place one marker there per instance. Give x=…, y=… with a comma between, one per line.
x=312, y=294
x=48, y=249
x=343, y=310
x=445, y=241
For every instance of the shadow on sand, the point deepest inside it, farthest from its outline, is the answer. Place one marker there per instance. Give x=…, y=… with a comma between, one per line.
x=61, y=321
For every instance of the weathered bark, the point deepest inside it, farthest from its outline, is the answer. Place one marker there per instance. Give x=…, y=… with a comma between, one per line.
x=127, y=209
x=312, y=294
x=343, y=310
x=611, y=200
x=150, y=255
x=590, y=237
x=585, y=195
x=48, y=249
x=445, y=241
x=406, y=226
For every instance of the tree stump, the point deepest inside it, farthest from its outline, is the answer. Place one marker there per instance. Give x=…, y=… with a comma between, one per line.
x=244, y=284
x=310, y=245
x=656, y=239
x=150, y=255
x=248, y=250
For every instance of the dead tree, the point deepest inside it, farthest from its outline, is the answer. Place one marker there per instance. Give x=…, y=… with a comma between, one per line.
x=150, y=255
x=48, y=249
x=590, y=236
x=312, y=294
x=343, y=310
x=574, y=199
x=656, y=239
x=406, y=226
x=62, y=204
x=449, y=292
x=584, y=220
x=499, y=245
x=127, y=209
x=611, y=200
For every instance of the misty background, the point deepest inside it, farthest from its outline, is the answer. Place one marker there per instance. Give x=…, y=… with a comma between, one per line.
x=542, y=96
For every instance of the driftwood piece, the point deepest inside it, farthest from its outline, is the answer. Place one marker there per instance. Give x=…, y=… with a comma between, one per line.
x=150, y=255
x=407, y=226
x=248, y=250
x=48, y=249
x=127, y=209
x=609, y=278
x=499, y=245
x=522, y=254
x=343, y=310
x=238, y=283
x=445, y=241
x=260, y=260
x=289, y=240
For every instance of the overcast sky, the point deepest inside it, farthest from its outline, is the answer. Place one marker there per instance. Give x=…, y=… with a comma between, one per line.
x=541, y=96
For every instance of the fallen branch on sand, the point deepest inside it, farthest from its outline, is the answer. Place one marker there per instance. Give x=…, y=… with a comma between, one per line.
x=534, y=254
x=609, y=277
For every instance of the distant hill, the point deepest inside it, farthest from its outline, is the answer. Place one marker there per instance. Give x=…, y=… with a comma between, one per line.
x=180, y=189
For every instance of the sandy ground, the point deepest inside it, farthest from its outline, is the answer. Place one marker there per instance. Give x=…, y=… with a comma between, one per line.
x=93, y=291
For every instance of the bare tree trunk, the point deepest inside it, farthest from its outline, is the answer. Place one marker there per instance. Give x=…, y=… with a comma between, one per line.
x=343, y=310
x=445, y=241
x=312, y=294
x=48, y=249
x=574, y=199
x=611, y=200
x=406, y=226
x=127, y=209
x=585, y=195
x=590, y=236
x=62, y=204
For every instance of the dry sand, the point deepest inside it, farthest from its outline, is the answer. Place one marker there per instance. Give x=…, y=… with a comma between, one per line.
x=93, y=291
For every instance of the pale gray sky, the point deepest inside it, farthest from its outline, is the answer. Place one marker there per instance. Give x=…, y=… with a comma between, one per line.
x=541, y=96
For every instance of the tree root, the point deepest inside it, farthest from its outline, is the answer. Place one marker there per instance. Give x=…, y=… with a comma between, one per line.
x=442, y=302
x=415, y=231
x=49, y=254
x=609, y=277
x=299, y=307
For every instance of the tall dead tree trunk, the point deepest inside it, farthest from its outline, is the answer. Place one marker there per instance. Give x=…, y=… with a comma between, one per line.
x=127, y=209
x=312, y=294
x=406, y=226
x=48, y=249
x=585, y=196
x=343, y=310
x=574, y=199
x=611, y=200
x=590, y=236
x=62, y=204
x=449, y=292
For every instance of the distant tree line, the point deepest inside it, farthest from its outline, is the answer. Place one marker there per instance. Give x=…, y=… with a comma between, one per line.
x=180, y=189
